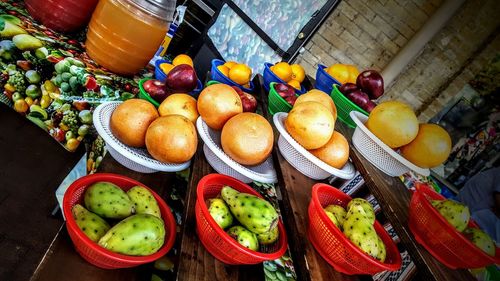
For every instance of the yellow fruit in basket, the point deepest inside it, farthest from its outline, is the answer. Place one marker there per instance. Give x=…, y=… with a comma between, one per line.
x=394, y=123
x=172, y=139
x=311, y=124
x=247, y=138
x=343, y=73
x=240, y=73
x=182, y=59
x=298, y=72
x=224, y=70
x=218, y=103
x=283, y=70
x=430, y=148
x=181, y=104
x=166, y=67
x=294, y=83
x=230, y=64
x=335, y=152
x=21, y=106
x=130, y=121
x=321, y=97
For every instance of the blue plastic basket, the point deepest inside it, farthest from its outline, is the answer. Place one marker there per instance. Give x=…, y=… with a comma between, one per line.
x=218, y=76
x=270, y=77
x=161, y=76
x=324, y=81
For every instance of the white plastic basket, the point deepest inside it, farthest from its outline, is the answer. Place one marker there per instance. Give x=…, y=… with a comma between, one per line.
x=137, y=159
x=223, y=164
x=304, y=161
x=378, y=153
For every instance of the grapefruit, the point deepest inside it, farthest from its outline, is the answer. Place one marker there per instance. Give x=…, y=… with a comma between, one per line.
x=321, y=97
x=181, y=104
x=430, y=148
x=311, y=124
x=218, y=103
x=130, y=121
x=247, y=138
x=394, y=123
x=335, y=152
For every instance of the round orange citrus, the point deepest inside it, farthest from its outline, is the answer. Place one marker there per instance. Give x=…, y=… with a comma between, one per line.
x=240, y=74
x=224, y=69
x=283, y=70
x=230, y=64
x=298, y=72
x=294, y=83
x=166, y=67
x=182, y=59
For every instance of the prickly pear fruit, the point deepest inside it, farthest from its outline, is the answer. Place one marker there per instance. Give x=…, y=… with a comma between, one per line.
x=481, y=239
x=367, y=207
x=245, y=237
x=434, y=203
x=355, y=222
x=382, y=253
x=108, y=201
x=91, y=224
x=137, y=235
x=333, y=218
x=456, y=214
x=220, y=212
x=144, y=201
x=366, y=239
x=254, y=213
x=338, y=212
x=269, y=237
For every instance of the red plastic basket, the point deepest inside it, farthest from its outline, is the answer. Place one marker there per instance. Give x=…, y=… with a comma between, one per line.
x=439, y=237
x=219, y=243
x=90, y=250
x=335, y=247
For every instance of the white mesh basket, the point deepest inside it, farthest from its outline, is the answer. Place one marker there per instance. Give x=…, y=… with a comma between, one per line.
x=223, y=164
x=137, y=159
x=303, y=160
x=378, y=153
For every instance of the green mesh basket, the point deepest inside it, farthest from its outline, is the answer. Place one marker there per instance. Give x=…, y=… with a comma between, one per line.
x=211, y=82
x=276, y=102
x=144, y=95
x=344, y=107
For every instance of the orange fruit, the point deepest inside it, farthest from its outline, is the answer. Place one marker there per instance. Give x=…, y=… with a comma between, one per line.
x=335, y=152
x=321, y=97
x=353, y=73
x=230, y=64
x=283, y=70
x=294, y=83
x=298, y=72
x=224, y=69
x=430, y=148
x=247, y=85
x=182, y=59
x=344, y=73
x=166, y=67
x=240, y=74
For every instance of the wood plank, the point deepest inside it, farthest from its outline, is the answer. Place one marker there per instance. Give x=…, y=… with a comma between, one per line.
x=32, y=165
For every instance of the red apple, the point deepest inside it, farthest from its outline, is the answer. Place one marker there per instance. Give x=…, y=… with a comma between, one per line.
x=347, y=88
x=156, y=89
x=371, y=82
x=248, y=101
x=369, y=106
x=291, y=100
x=359, y=98
x=182, y=79
x=284, y=90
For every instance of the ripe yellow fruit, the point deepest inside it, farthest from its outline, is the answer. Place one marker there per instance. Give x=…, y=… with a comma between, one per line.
x=224, y=70
x=294, y=83
x=230, y=64
x=298, y=72
x=182, y=59
x=240, y=74
x=283, y=70
x=166, y=67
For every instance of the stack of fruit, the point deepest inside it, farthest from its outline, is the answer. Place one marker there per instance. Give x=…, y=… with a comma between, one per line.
x=396, y=125
x=246, y=137
x=458, y=216
x=293, y=74
x=169, y=135
x=140, y=230
x=368, y=86
x=180, y=78
x=357, y=225
x=311, y=123
x=343, y=73
x=239, y=73
x=258, y=218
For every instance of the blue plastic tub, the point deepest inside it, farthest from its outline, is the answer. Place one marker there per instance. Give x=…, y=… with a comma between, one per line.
x=270, y=77
x=324, y=81
x=161, y=76
x=218, y=76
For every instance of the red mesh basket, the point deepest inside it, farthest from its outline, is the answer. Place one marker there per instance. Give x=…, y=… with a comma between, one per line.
x=335, y=247
x=440, y=238
x=216, y=240
x=90, y=250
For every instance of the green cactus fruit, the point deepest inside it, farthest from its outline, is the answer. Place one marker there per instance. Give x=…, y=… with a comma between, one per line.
x=254, y=213
x=108, y=201
x=355, y=222
x=338, y=212
x=367, y=207
x=434, y=203
x=382, y=253
x=481, y=239
x=137, y=235
x=245, y=237
x=91, y=224
x=366, y=239
x=220, y=212
x=144, y=201
x=458, y=215
x=270, y=237
x=333, y=218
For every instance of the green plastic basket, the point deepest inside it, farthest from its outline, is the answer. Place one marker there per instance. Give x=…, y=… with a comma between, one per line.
x=211, y=82
x=144, y=95
x=344, y=107
x=276, y=102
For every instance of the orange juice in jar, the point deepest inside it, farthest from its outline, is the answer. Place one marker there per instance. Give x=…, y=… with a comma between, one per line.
x=124, y=35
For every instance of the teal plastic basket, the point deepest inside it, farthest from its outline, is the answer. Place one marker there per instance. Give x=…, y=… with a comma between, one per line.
x=344, y=107
x=275, y=102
